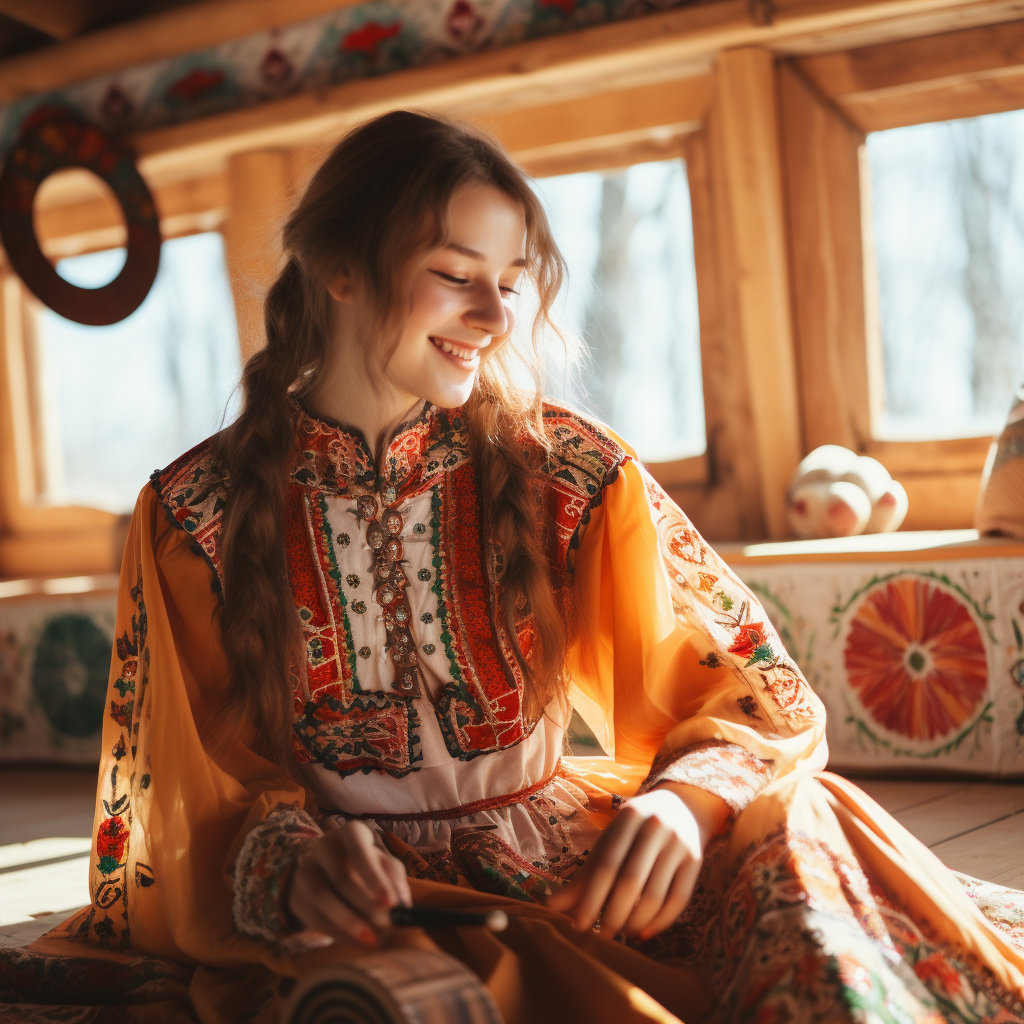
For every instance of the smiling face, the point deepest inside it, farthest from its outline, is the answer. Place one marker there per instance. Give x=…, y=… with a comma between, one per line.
x=460, y=298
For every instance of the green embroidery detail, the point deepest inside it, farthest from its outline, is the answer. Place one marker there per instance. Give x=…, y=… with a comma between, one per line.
x=108, y=865
x=763, y=652
x=335, y=574
x=438, y=589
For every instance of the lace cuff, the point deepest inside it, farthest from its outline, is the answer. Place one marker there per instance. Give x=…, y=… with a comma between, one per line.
x=725, y=769
x=261, y=871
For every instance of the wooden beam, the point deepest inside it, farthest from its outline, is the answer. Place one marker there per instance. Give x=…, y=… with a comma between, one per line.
x=943, y=455
x=259, y=200
x=954, y=74
x=823, y=200
x=184, y=29
x=657, y=48
x=751, y=170
x=61, y=19
x=86, y=224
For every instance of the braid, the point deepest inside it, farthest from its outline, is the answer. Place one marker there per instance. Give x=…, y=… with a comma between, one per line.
x=254, y=454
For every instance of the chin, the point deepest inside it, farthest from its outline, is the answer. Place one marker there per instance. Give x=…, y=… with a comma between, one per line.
x=447, y=395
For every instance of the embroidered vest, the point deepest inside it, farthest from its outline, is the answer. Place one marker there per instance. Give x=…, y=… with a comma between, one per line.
x=337, y=722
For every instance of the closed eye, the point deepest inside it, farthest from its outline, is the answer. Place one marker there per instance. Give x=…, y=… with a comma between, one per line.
x=505, y=289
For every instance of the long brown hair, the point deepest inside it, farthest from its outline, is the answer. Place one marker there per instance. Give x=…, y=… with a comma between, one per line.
x=381, y=196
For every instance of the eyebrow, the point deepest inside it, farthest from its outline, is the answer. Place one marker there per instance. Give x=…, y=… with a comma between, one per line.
x=474, y=255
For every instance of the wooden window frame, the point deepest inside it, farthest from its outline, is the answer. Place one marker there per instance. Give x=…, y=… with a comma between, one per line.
x=829, y=103
x=38, y=538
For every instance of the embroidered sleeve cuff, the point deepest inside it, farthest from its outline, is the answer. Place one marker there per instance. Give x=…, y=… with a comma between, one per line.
x=262, y=869
x=725, y=769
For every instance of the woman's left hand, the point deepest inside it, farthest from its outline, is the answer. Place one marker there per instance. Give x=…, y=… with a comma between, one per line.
x=643, y=868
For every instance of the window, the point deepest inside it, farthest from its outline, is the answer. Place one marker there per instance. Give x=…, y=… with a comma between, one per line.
x=948, y=220
x=117, y=402
x=627, y=237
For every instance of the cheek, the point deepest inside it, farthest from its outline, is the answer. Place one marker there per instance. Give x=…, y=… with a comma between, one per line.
x=432, y=304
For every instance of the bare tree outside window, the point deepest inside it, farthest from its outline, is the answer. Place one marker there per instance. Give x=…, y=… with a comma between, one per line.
x=123, y=400
x=948, y=211
x=632, y=295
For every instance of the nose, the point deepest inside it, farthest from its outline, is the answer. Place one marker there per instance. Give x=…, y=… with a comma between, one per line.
x=487, y=312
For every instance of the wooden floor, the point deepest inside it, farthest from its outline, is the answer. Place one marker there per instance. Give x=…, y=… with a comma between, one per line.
x=46, y=820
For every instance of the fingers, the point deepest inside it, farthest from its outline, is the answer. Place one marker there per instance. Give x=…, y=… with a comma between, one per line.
x=603, y=867
x=678, y=897
x=656, y=891
x=346, y=885
x=395, y=871
x=313, y=901
x=650, y=842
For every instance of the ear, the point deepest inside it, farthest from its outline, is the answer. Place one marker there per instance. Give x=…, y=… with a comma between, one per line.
x=339, y=286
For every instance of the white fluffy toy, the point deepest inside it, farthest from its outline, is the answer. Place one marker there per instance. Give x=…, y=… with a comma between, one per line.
x=838, y=493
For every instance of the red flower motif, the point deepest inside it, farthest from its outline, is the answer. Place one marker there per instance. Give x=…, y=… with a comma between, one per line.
x=935, y=967
x=196, y=84
x=122, y=713
x=463, y=21
x=916, y=659
x=111, y=837
x=751, y=636
x=707, y=582
x=368, y=38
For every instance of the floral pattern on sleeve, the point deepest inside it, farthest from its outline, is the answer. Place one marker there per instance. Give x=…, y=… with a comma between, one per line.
x=707, y=593
x=725, y=769
x=263, y=867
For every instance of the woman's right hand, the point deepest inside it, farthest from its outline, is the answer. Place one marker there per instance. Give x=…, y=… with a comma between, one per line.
x=344, y=885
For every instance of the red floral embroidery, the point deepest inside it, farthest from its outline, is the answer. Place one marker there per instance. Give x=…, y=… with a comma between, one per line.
x=750, y=637
x=368, y=38
x=936, y=968
x=111, y=837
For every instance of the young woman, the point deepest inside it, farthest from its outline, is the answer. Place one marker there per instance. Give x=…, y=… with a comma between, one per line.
x=352, y=628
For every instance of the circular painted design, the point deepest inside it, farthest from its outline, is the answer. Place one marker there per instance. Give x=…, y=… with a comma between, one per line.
x=916, y=658
x=69, y=676
x=52, y=140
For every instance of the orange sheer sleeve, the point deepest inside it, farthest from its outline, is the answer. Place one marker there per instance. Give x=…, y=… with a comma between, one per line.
x=677, y=668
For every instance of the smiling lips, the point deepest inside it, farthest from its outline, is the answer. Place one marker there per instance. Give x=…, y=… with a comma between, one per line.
x=467, y=358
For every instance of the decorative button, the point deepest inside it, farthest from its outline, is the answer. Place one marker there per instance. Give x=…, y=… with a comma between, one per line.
x=393, y=549
x=375, y=536
x=352, y=580
x=401, y=614
x=423, y=574
x=393, y=522
x=419, y=528
x=429, y=648
x=407, y=682
x=367, y=507
x=387, y=596
x=390, y=496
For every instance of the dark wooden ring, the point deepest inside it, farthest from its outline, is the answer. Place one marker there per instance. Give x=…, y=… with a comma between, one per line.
x=51, y=142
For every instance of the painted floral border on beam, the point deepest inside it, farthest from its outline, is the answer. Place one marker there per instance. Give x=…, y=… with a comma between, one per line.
x=373, y=38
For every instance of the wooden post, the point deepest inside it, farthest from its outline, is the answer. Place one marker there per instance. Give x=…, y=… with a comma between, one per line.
x=823, y=188
x=258, y=202
x=749, y=167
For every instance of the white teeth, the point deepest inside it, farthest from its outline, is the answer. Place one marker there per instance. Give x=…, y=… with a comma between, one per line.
x=469, y=354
